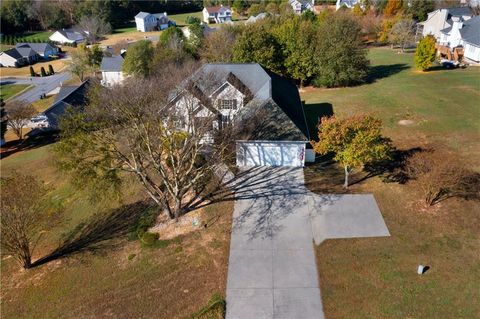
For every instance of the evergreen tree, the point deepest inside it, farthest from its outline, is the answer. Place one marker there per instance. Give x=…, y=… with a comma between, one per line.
x=32, y=72
x=50, y=69
x=42, y=71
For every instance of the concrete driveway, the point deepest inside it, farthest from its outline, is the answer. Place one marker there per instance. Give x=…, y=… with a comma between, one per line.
x=41, y=85
x=272, y=270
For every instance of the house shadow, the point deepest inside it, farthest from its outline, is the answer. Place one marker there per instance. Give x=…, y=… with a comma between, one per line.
x=313, y=113
x=99, y=233
x=30, y=143
x=378, y=72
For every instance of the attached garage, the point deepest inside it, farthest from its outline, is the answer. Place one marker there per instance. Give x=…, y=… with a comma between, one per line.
x=270, y=153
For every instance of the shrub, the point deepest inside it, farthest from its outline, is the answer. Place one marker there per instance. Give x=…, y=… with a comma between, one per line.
x=149, y=239
x=440, y=176
x=192, y=20
x=32, y=72
x=42, y=71
x=131, y=256
x=425, y=53
x=50, y=69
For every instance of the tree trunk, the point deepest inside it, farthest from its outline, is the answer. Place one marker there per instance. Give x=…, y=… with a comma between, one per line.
x=177, y=209
x=346, y=176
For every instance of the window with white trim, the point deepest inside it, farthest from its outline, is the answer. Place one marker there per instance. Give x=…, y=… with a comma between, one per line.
x=227, y=104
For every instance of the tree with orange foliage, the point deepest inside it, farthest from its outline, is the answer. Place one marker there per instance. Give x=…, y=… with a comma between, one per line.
x=356, y=141
x=392, y=8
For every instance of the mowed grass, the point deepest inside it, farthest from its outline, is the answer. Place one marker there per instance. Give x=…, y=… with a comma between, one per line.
x=444, y=104
x=376, y=277
x=181, y=17
x=9, y=90
x=173, y=280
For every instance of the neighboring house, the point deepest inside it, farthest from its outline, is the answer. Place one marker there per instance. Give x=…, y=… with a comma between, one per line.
x=74, y=97
x=111, y=69
x=464, y=34
x=253, y=19
x=217, y=14
x=346, y=4
x=147, y=22
x=18, y=57
x=441, y=19
x=300, y=6
x=69, y=36
x=266, y=107
x=45, y=50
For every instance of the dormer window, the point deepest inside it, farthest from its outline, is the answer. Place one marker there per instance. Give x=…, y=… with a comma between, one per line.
x=227, y=104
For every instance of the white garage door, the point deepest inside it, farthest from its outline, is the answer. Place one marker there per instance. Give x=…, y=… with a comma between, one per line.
x=270, y=153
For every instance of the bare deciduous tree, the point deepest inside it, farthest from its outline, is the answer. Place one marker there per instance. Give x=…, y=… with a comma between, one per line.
x=21, y=216
x=19, y=113
x=95, y=27
x=402, y=33
x=439, y=176
x=145, y=130
x=218, y=46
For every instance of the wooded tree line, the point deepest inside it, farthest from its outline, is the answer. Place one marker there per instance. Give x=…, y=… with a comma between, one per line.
x=28, y=15
x=325, y=50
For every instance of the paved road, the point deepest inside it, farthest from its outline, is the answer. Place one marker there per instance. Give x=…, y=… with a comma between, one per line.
x=42, y=85
x=272, y=270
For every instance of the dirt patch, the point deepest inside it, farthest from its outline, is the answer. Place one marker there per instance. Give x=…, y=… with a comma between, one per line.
x=169, y=229
x=406, y=122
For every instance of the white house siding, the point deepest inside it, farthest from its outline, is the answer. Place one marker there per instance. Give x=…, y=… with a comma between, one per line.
x=112, y=78
x=230, y=93
x=206, y=15
x=146, y=24
x=58, y=37
x=472, y=52
x=6, y=60
x=271, y=153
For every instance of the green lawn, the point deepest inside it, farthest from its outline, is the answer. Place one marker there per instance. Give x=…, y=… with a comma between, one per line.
x=42, y=36
x=376, y=277
x=180, y=18
x=443, y=103
x=9, y=90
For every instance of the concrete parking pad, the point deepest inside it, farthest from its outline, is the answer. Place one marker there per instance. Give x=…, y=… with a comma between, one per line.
x=351, y=216
x=272, y=271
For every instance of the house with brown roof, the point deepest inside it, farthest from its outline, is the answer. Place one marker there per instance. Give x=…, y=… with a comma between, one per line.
x=217, y=14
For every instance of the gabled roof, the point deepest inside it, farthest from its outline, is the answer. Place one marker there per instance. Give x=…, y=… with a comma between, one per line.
x=69, y=96
x=142, y=15
x=73, y=35
x=37, y=47
x=26, y=51
x=470, y=31
x=13, y=53
x=216, y=9
x=272, y=96
x=112, y=64
x=459, y=11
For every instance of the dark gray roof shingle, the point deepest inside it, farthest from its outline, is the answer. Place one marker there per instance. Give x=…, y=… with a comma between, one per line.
x=112, y=64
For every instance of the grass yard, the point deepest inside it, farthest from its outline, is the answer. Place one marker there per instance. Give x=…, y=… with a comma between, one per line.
x=180, y=18
x=9, y=90
x=41, y=36
x=376, y=277
x=123, y=279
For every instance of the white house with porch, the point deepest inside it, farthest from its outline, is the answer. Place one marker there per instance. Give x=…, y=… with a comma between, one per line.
x=147, y=22
x=217, y=14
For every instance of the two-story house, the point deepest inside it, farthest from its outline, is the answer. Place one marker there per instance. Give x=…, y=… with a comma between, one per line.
x=217, y=14
x=441, y=19
x=147, y=22
x=265, y=108
x=111, y=68
x=300, y=6
x=463, y=34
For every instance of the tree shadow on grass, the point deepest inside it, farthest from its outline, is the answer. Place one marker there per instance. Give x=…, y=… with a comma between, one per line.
x=313, y=113
x=32, y=142
x=378, y=72
x=99, y=233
